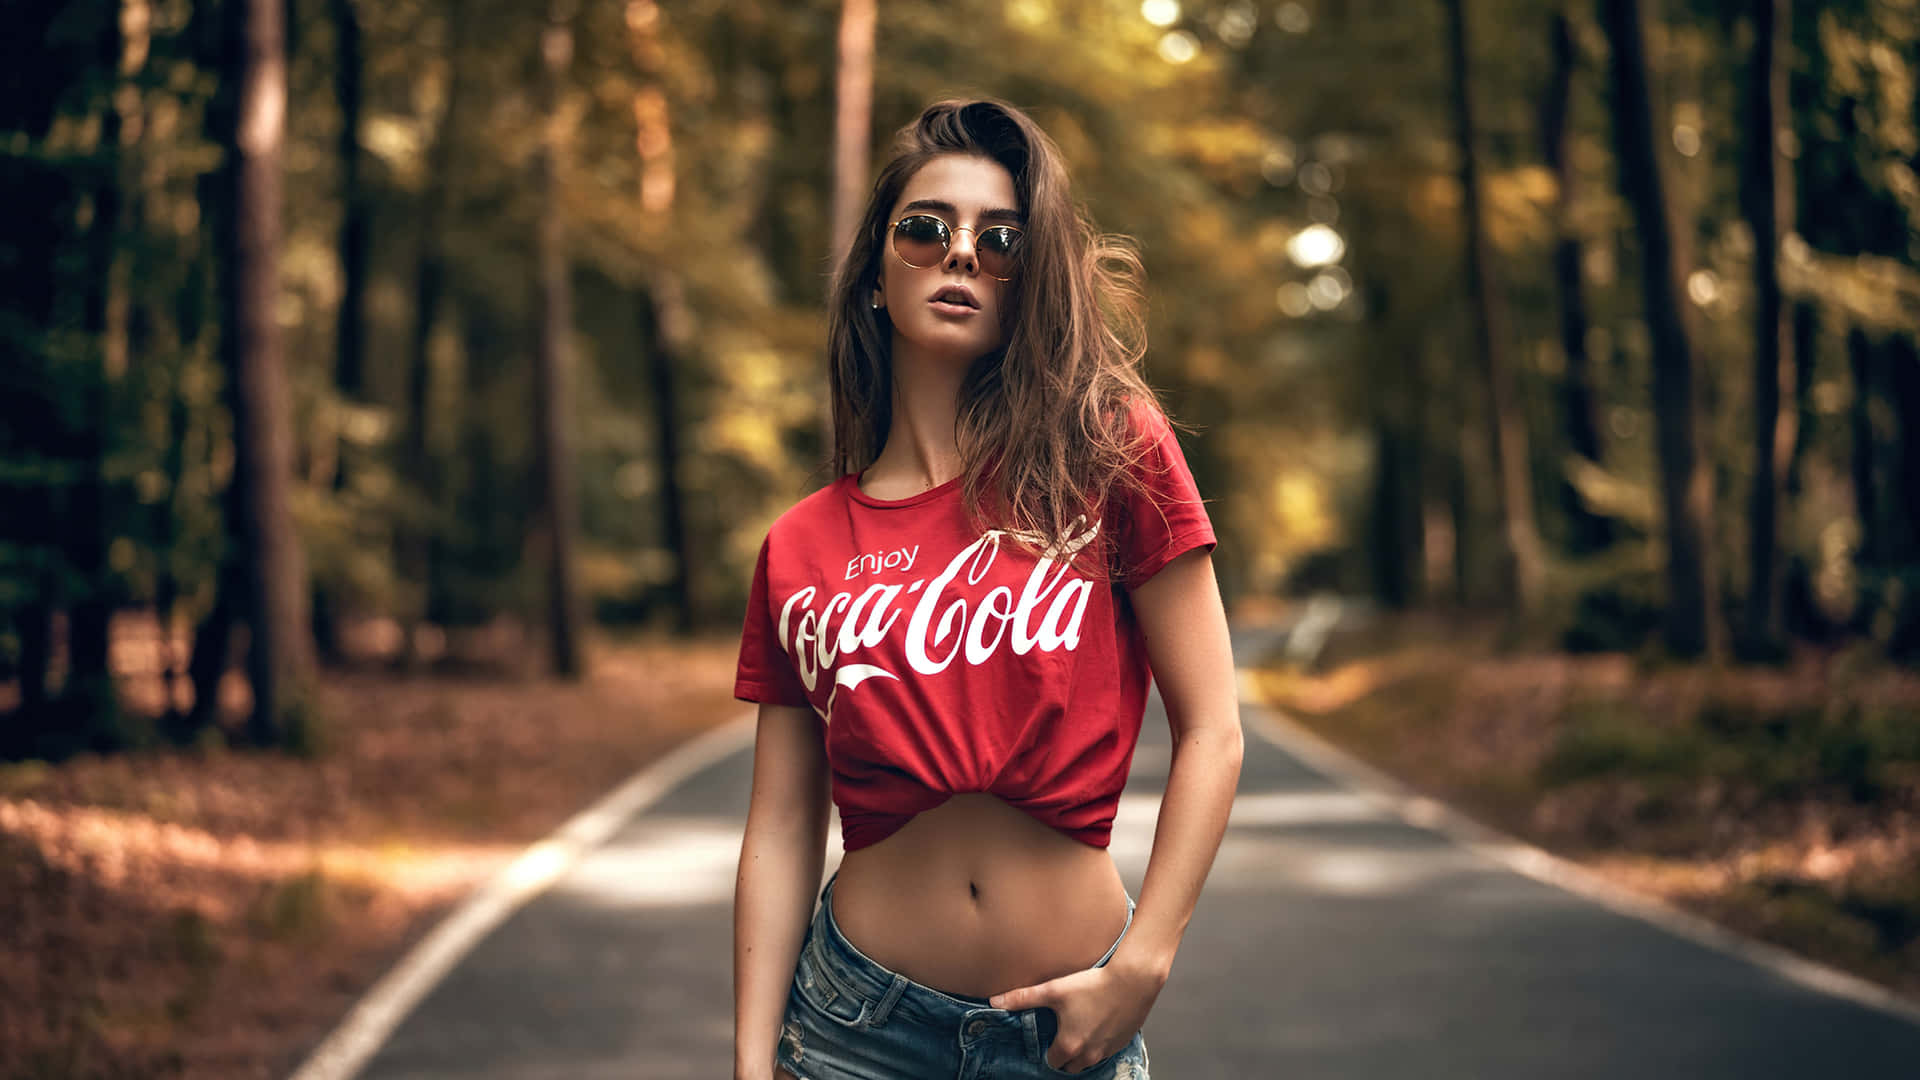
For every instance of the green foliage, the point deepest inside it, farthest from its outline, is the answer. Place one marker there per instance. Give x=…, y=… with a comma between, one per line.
x=1781, y=752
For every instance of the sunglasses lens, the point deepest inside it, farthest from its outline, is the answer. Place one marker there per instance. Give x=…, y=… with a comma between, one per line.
x=999, y=251
x=919, y=240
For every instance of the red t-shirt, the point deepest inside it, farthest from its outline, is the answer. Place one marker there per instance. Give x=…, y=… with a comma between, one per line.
x=944, y=660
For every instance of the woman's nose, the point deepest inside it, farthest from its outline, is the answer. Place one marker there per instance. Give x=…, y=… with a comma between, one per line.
x=960, y=256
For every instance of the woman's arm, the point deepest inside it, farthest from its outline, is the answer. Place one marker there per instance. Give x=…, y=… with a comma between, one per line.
x=782, y=855
x=1185, y=623
x=1186, y=630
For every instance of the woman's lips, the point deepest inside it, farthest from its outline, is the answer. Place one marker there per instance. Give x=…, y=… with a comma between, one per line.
x=949, y=307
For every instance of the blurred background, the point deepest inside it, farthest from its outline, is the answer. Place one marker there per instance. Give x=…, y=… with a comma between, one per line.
x=348, y=349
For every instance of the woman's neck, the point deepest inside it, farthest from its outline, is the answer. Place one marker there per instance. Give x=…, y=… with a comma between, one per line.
x=921, y=448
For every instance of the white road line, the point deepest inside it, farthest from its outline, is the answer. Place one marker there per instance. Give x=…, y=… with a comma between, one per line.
x=344, y=1052
x=1424, y=813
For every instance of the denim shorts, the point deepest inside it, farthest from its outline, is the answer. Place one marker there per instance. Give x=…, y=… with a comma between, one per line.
x=848, y=1018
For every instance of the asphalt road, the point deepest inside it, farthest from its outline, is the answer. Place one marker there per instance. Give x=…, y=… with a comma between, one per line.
x=1333, y=941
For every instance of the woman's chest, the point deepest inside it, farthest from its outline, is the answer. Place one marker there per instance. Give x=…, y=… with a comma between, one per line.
x=942, y=607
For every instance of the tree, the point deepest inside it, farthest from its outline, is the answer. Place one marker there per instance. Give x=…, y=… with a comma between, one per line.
x=553, y=401
x=1686, y=480
x=1522, y=562
x=1588, y=531
x=279, y=652
x=1766, y=197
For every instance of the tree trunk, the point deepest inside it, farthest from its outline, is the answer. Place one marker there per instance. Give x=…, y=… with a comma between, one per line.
x=853, y=121
x=1587, y=531
x=1806, y=325
x=356, y=222
x=1394, y=528
x=1903, y=533
x=661, y=307
x=356, y=247
x=852, y=134
x=665, y=323
x=1866, y=495
x=1766, y=198
x=89, y=704
x=419, y=542
x=279, y=655
x=1686, y=482
x=216, y=34
x=553, y=405
x=1522, y=565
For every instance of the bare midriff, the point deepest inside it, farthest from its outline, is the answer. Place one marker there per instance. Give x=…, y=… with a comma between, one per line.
x=977, y=897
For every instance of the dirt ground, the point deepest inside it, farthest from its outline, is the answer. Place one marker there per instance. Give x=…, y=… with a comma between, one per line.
x=213, y=913
x=1784, y=803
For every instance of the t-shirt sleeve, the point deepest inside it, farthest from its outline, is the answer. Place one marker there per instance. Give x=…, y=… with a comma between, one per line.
x=1171, y=519
x=765, y=672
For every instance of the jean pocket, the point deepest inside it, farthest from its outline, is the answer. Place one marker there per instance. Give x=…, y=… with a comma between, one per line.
x=1127, y=1063
x=814, y=983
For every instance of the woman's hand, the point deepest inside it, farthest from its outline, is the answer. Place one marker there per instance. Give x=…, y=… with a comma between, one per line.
x=1099, y=1010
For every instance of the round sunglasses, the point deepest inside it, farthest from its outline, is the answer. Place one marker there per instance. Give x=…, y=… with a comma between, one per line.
x=922, y=240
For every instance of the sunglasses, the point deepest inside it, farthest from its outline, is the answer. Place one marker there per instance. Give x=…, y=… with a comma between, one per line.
x=922, y=240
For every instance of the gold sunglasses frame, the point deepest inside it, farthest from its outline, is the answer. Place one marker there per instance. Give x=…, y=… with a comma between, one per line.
x=951, y=230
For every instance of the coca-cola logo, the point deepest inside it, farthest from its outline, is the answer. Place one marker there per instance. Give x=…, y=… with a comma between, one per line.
x=946, y=622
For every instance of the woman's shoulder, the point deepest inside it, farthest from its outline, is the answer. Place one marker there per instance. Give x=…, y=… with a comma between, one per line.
x=805, y=515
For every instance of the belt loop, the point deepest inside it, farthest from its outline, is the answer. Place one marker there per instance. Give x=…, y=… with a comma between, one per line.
x=887, y=1000
x=1028, y=1027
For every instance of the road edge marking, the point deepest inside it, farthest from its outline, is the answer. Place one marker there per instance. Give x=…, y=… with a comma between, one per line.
x=379, y=1012
x=1424, y=812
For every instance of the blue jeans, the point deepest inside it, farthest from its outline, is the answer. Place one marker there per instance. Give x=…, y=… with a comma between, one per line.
x=848, y=1018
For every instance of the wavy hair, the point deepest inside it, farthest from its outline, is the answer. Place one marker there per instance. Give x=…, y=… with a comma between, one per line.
x=1043, y=424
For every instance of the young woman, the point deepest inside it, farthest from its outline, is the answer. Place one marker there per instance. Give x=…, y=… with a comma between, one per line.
x=952, y=642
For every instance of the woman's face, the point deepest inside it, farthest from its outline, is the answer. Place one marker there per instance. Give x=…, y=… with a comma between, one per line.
x=970, y=194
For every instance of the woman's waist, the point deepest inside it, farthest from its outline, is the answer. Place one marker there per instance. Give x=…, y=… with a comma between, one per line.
x=968, y=900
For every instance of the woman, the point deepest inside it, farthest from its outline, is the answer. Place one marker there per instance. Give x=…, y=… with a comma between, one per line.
x=952, y=642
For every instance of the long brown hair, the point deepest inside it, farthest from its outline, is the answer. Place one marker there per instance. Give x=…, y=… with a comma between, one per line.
x=1042, y=424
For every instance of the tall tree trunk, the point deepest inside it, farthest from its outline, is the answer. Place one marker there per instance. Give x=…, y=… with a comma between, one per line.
x=1686, y=482
x=279, y=655
x=852, y=134
x=356, y=221
x=664, y=316
x=1394, y=538
x=1866, y=492
x=1393, y=535
x=853, y=121
x=554, y=404
x=1766, y=197
x=1588, y=532
x=216, y=34
x=89, y=703
x=1469, y=589
x=419, y=543
x=1903, y=534
x=1522, y=564
x=356, y=246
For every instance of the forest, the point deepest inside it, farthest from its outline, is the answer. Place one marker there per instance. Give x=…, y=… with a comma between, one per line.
x=351, y=348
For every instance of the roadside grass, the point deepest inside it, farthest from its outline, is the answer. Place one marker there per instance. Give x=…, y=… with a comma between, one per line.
x=213, y=913
x=1784, y=803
